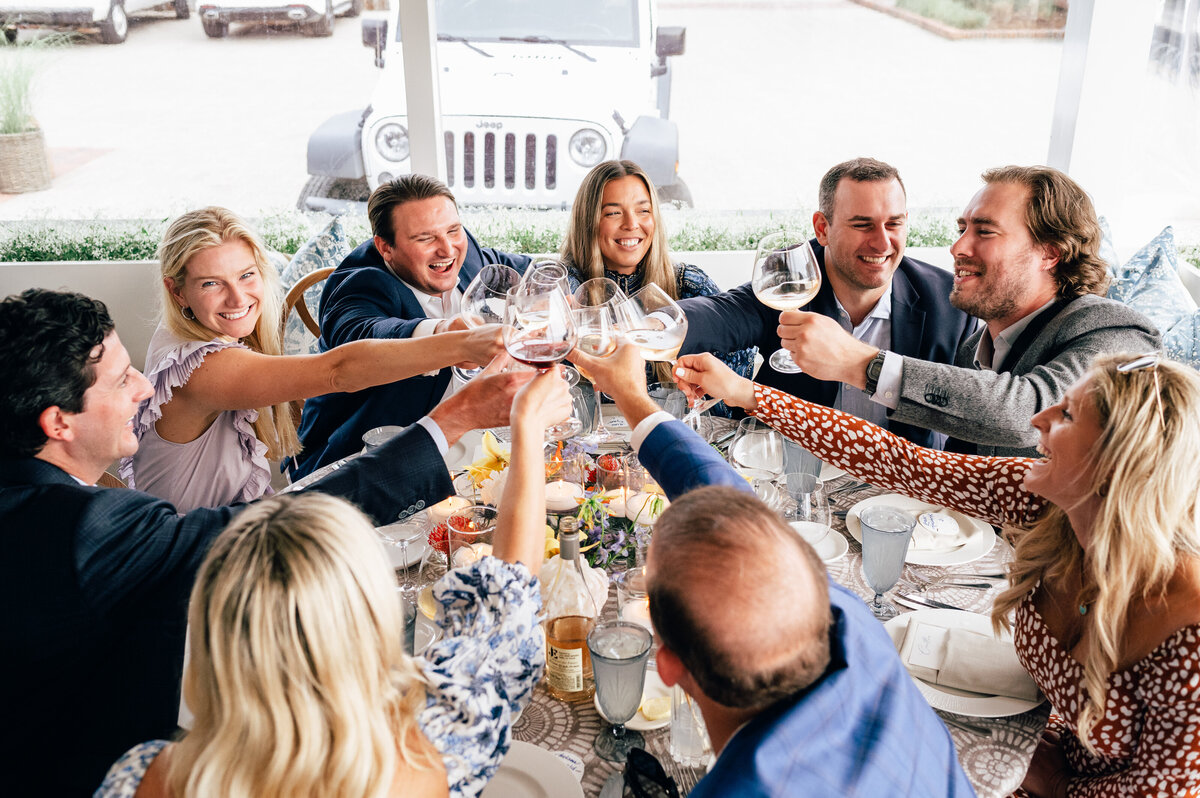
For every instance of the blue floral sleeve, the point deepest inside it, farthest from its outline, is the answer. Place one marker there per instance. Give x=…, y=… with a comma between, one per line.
x=126, y=774
x=483, y=670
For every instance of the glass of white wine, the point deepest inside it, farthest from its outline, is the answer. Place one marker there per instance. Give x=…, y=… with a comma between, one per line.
x=655, y=322
x=596, y=322
x=786, y=277
x=483, y=303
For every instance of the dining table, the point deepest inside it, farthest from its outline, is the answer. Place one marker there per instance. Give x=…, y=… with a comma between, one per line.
x=994, y=752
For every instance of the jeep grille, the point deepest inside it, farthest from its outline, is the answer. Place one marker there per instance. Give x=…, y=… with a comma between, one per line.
x=538, y=160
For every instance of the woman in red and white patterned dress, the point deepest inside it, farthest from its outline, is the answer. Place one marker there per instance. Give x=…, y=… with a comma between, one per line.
x=1105, y=583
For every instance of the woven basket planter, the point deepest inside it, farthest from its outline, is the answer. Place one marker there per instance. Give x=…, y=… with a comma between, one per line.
x=23, y=163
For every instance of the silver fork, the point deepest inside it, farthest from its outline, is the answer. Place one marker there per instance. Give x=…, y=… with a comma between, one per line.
x=945, y=582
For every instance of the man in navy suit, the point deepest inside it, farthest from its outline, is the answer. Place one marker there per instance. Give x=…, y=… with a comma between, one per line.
x=406, y=282
x=95, y=581
x=809, y=699
x=868, y=287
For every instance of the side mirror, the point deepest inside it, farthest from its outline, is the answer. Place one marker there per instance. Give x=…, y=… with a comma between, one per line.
x=374, y=34
x=668, y=41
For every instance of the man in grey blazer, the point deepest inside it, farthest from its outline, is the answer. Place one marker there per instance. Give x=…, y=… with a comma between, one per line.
x=1027, y=263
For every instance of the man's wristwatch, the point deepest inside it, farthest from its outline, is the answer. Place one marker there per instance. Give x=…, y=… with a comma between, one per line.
x=874, y=368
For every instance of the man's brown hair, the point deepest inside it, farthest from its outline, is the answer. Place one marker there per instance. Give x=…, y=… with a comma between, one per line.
x=406, y=188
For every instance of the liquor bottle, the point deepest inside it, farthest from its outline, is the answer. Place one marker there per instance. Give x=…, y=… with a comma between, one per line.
x=571, y=612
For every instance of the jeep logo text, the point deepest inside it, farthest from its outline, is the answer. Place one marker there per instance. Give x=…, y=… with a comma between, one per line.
x=490, y=125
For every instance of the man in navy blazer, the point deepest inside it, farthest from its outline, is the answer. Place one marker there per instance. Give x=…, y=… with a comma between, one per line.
x=868, y=286
x=404, y=283
x=95, y=581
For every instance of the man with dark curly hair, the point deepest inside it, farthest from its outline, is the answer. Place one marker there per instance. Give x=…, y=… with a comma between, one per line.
x=94, y=581
x=1027, y=263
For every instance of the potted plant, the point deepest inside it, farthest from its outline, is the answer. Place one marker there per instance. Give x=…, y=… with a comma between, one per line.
x=23, y=162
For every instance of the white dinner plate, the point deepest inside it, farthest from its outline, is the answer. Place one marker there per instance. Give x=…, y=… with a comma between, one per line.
x=830, y=472
x=654, y=688
x=531, y=772
x=980, y=537
x=949, y=699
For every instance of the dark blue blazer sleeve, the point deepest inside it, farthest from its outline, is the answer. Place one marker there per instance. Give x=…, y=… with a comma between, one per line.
x=679, y=460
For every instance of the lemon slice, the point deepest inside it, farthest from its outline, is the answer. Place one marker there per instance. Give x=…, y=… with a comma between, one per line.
x=656, y=708
x=429, y=606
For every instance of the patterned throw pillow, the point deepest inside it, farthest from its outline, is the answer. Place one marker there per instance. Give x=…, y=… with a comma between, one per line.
x=1149, y=283
x=327, y=248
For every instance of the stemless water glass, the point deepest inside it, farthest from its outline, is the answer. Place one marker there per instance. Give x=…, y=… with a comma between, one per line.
x=655, y=322
x=786, y=277
x=886, y=532
x=483, y=302
x=619, y=652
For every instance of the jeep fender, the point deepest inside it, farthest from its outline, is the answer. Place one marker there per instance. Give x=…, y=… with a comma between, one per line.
x=335, y=148
x=653, y=144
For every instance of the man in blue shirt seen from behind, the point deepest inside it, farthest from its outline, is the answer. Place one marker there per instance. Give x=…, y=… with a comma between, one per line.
x=800, y=687
x=406, y=282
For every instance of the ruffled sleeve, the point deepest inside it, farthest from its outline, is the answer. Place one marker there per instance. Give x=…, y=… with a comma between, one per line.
x=483, y=671
x=169, y=364
x=991, y=488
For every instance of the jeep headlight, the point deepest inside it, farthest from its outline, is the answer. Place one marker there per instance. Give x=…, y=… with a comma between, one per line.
x=391, y=141
x=587, y=147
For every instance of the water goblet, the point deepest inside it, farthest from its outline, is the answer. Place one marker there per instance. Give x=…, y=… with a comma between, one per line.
x=886, y=532
x=619, y=651
x=786, y=277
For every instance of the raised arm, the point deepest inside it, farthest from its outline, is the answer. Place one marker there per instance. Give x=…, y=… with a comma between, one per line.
x=726, y=322
x=986, y=487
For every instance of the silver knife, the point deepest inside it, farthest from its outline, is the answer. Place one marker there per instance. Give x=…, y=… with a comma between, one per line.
x=912, y=601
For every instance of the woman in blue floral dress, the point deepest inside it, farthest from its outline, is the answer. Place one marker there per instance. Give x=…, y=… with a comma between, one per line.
x=616, y=231
x=297, y=676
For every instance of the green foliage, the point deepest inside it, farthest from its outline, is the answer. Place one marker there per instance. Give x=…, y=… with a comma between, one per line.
x=954, y=13
x=931, y=230
x=19, y=65
x=1191, y=253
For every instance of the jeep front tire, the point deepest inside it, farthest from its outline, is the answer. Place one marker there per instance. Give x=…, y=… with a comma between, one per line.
x=215, y=28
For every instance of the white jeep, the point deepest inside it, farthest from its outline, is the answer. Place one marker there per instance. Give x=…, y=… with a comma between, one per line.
x=534, y=93
x=109, y=17
x=315, y=16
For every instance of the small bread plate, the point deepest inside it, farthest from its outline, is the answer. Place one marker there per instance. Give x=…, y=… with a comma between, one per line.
x=829, y=547
x=531, y=772
x=949, y=699
x=978, y=536
x=654, y=688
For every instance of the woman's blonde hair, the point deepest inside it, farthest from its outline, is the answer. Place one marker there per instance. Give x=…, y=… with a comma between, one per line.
x=1146, y=476
x=188, y=236
x=297, y=677
x=581, y=245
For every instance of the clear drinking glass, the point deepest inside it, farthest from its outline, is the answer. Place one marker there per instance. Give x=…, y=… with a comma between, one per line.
x=756, y=450
x=483, y=302
x=655, y=322
x=547, y=273
x=810, y=515
x=469, y=534
x=886, y=532
x=596, y=319
x=619, y=652
x=786, y=277
x=403, y=534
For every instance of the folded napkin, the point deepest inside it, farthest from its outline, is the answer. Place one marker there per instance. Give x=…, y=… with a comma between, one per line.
x=937, y=531
x=965, y=660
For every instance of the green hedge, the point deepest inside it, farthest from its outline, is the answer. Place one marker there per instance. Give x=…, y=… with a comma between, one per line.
x=509, y=230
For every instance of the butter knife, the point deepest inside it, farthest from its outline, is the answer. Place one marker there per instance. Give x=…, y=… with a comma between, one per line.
x=925, y=603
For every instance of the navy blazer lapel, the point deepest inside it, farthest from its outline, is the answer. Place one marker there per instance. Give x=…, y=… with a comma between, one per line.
x=908, y=319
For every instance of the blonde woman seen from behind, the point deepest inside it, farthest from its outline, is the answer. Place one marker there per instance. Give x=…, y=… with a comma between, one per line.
x=1104, y=593
x=297, y=678
x=223, y=391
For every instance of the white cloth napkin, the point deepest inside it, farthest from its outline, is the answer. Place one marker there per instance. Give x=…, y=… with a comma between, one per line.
x=965, y=660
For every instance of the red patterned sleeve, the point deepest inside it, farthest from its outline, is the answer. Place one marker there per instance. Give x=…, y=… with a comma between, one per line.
x=990, y=488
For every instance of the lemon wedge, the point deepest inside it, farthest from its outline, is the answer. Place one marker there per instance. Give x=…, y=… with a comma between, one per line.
x=656, y=708
x=429, y=607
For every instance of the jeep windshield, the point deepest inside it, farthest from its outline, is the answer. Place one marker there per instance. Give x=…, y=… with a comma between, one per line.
x=577, y=22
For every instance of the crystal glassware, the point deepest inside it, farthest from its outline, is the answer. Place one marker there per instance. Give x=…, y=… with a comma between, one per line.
x=619, y=651
x=886, y=532
x=786, y=277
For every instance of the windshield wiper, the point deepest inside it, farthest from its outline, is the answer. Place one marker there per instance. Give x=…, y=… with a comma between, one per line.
x=547, y=40
x=446, y=37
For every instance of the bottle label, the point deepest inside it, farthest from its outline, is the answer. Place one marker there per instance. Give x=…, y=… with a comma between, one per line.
x=564, y=668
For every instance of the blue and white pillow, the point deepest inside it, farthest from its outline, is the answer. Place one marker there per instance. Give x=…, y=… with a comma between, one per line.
x=1149, y=283
x=327, y=248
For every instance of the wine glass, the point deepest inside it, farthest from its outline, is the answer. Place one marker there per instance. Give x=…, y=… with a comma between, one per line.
x=810, y=517
x=598, y=338
x=483, y=302
x=402, y=534
x=756, y=450
x=886, y=532
x=786, y=277
x=653, y=321
x=547, y=272
x=619, y=652
x=539, y=331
